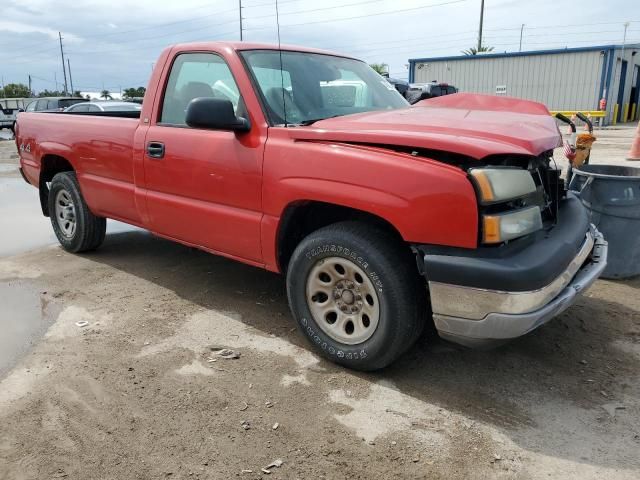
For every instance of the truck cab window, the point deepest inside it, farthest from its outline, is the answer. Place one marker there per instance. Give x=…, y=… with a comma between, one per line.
x=195, y=75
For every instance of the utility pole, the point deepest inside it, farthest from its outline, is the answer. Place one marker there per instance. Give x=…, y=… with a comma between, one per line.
x=70, y=78
x=30, y=91
x=64, y=68
x=480, y=29
x=521, y=31
x=240, y=13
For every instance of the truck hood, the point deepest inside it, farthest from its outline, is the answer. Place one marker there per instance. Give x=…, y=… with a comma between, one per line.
x=467, y=124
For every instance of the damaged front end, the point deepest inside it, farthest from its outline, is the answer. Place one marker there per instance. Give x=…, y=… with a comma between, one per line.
x=536, y=251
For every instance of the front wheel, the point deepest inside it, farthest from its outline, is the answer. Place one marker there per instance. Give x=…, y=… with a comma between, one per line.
x=356, y=295
x=77, y=229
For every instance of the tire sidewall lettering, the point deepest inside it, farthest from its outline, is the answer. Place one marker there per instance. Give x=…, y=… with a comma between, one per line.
x=349, y=254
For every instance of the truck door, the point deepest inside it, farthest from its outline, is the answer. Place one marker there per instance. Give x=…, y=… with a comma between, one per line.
x=203, y=186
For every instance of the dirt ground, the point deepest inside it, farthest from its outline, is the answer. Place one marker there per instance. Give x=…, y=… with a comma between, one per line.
x=141, y=393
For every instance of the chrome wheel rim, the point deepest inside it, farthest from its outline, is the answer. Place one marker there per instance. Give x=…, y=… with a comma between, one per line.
x=65, y=213
x=342, y=300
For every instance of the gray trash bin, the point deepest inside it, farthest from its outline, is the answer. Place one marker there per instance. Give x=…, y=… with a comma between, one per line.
x=612, y=195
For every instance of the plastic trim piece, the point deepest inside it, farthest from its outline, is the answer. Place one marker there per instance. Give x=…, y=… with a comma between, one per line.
x=477, y=303
x=496, y=328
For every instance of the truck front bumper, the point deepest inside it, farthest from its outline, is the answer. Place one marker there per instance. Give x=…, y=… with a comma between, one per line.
x=482, y=317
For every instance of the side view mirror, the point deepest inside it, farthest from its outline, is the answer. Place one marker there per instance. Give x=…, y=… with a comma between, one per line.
x=215, y=114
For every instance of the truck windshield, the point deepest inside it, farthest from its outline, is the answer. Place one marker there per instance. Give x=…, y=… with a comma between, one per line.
x=311, y=87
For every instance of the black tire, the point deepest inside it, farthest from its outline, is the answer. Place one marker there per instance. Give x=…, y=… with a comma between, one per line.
x=89, y=229
x=391, y=268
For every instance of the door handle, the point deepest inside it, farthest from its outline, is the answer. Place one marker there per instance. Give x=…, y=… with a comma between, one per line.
x=155, y=149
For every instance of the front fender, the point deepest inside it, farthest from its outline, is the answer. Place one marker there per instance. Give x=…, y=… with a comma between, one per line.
x=425, y=200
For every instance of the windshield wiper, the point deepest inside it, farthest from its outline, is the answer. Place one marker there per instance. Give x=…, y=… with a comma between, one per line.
x=306, y=123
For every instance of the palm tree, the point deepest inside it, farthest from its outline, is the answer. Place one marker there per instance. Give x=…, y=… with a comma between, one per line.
x=475, y=51
x=380, y=67
x=106, y=94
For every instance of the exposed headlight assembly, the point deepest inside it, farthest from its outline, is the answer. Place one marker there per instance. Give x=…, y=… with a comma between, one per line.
x=501, y=227
x=501, y=184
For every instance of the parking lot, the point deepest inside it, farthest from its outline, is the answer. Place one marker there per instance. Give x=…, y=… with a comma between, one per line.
x=144, y=389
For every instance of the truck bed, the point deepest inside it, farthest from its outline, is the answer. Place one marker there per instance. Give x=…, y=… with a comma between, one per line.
x=124, y=114
x=100, y=147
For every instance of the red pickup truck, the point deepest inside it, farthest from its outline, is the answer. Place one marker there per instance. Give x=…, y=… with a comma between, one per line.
x=385, y=217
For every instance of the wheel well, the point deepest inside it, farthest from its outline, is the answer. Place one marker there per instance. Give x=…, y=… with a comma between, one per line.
x=51, y=165
x=302, y=218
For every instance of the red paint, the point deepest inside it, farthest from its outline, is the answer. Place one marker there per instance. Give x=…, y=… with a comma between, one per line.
x=226, y=192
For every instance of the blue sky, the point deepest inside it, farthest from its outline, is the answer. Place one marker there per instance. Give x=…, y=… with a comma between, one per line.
x=114, y=43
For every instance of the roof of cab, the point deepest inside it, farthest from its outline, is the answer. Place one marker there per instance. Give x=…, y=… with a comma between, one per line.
x=240, y=46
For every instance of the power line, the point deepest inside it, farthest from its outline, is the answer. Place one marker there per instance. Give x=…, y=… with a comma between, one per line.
x=297, y=12
x=405, y=40
x=270, y=4
x=158, y=46
x=49, y=49
x=140, y=39
x=564, y=34
x=164, y=24
x=392, y=12
x=563, y=26
x=164, y=35
x=434, y=40
x=457, y=40
x=191, y=19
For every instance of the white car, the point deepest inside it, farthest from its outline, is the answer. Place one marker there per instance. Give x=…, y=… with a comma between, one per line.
x=6, y=120
x=9, y=108
x=106, y=106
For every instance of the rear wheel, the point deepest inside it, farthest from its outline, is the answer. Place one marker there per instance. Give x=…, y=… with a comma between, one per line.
x=356, y=295
x=77, y=229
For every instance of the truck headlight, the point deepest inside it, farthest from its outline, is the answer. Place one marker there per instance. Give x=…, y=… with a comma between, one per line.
x=501, y=184
x=498, y=228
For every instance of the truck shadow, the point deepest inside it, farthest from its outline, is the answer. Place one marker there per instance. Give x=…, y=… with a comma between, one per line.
x=540, y=390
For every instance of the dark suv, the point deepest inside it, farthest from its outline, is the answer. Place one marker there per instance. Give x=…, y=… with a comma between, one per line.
x=53, y=104
x=420, y=91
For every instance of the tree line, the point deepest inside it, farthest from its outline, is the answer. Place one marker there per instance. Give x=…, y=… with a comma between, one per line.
x=19, y=90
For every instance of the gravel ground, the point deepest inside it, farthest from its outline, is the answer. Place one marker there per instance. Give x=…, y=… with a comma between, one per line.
x=142, y=392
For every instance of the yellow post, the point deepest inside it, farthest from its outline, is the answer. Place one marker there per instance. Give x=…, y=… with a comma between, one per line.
x=614, y=120
x=625, y=113
x=633, y=112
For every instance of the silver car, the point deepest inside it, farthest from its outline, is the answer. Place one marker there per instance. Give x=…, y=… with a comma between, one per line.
x=105, y=106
